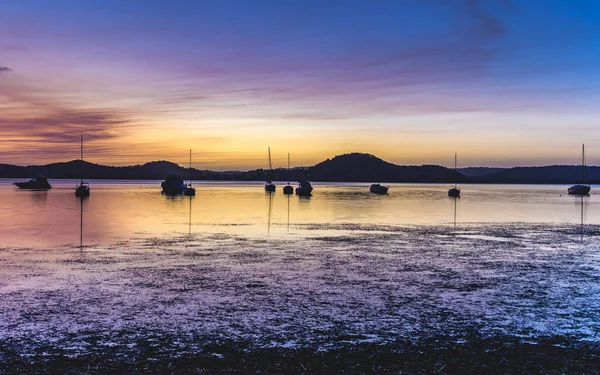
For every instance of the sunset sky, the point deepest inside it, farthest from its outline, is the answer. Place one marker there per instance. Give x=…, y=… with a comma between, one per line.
x=500, y=82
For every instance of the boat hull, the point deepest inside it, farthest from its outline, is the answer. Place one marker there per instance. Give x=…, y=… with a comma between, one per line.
x=189, y=191
x=579, y=190
x=454, y=192
x=82, y=191
x=34, y=184
x=270, y=187
x=30, y=186
x=173, y=185
x=288, y=189
x=304, y=192
x=378, y=189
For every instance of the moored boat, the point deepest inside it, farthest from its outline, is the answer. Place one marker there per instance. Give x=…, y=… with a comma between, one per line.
x=304, y=188
x=269, y=185
x=173, y=185
x=579, y=189
x=454, y=191
x=38, y=183
x=189, y=190
x=288, y=189
x=582, y=188
x=83, y=189
x=378, y=189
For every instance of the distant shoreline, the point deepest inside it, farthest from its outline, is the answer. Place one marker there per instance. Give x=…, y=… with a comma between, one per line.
x=353, y=167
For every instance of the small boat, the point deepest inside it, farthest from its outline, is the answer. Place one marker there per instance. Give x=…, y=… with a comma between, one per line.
x=38, y=183
x=83, y=190
x=378, y=189
x=454, y=190
x=269, y=185
x=304, y=189
x=189, y=190
x=288, y=189
x=173, y=185
x=580, y=189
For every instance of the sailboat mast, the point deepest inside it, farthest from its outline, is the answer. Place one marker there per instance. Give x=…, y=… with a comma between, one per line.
x=582, y=163
x=81, y=169
x=270, y=165
x=455, y=168
x=190, y=174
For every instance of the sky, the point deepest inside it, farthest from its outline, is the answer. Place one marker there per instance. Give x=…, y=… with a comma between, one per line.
x=500, y=82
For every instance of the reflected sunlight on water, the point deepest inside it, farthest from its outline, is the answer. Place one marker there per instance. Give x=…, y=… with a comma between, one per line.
x=124, y=209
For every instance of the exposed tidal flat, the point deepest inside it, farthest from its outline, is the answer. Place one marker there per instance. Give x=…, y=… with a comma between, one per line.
x=340, y=298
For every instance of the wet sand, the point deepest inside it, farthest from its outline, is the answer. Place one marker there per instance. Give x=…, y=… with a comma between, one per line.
x=369, y=290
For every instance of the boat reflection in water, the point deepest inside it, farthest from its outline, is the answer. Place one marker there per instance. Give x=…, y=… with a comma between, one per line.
x=270, y=211
x=81, y=202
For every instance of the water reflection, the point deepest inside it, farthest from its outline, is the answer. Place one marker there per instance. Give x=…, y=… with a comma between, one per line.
x=582, y=202
x=270, y=195
x=190, y=217
x=455, y=199
x=81, y=200
x=124, y=210
x=39, y=197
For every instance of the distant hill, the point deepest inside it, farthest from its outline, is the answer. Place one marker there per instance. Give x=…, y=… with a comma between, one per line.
x=554, y=174
x=365, y=168
x=348, y=167
x=353, y=167
x=479, y=171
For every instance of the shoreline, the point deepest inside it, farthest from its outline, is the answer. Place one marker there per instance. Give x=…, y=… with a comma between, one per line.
x=499, y=291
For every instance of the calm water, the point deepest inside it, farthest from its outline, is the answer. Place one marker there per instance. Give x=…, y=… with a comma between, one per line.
x=119, y=210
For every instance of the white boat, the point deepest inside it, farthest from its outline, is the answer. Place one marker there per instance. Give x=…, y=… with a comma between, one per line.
x=581, y=189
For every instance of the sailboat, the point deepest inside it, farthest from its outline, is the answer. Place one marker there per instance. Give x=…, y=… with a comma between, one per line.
x=288, y=189
x=269, y=185
x=83, y=190
x=581, y=189
x=189, y=190
x=454, y=191
x=304, y=188
x=378, y=189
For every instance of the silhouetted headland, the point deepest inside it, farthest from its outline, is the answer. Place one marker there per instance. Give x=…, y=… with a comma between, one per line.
x=354, y=167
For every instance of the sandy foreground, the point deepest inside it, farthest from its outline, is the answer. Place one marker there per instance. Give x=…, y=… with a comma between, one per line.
x=381, y=296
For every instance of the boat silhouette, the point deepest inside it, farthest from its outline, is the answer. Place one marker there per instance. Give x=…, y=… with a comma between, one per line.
x=582, y=188
x=83, y=190
x=38, y=183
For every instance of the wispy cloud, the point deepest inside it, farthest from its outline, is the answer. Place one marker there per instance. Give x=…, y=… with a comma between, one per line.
x=5, y=69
